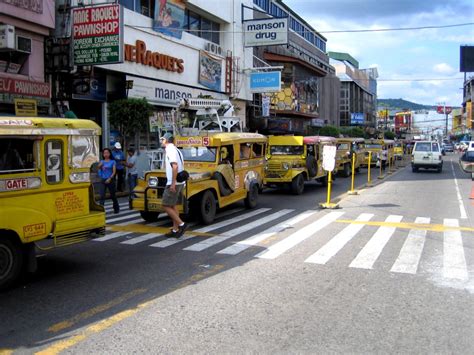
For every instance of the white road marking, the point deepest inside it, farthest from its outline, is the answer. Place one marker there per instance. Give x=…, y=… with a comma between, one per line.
x=460, y=201
x=109, y=207
x=142, y=238
x=207, y=243
x=454, y=261
x=410, y=254
x=302, y=234
x=332, y=247
x=111, y=236
x=372, y=250
x=247, y=243
x=121, y=218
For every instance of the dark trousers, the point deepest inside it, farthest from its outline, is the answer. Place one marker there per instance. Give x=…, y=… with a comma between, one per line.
x=120, y=179
x=111, y=187
x=132, y=182
x=384, y=164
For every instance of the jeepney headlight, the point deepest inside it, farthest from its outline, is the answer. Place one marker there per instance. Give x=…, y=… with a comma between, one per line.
x=285, y=166
x=266, y=167
x=153, y=181
x=78, y=177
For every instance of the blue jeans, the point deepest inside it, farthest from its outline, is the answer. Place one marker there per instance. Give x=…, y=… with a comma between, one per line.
x=132, y=182
x=111, y=186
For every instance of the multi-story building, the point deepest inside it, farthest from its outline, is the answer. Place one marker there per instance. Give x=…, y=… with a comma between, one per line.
x=305, y=98
x=171, y=49
x=24, y=25
x=358, y=95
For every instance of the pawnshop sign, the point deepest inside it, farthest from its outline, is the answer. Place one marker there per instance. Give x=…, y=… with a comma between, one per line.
x=265, y=32
x=97, y=33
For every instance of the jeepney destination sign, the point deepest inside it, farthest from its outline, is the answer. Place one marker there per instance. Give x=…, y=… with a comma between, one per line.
x=98, y=35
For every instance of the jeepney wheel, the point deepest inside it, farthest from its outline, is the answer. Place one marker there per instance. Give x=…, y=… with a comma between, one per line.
x=11, y=261
x=207, y=207
x=347, y=170
x=297, y=185
x=251, y=200
x=149, y=216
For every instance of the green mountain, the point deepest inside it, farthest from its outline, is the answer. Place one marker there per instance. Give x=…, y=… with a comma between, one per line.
x=400, y=104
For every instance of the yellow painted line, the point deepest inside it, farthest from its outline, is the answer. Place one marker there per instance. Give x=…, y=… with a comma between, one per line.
x=6, y=351
x=93, y=311
x=150, y=229
x=427, y=227
x=106, y=323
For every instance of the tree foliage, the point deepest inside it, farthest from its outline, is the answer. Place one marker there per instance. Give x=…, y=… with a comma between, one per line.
x=130, y=116
x=330, y=131
x=389, y=135
x=353, y=132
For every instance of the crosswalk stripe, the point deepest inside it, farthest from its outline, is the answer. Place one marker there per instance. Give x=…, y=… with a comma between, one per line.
x=410, y=254
x=122, y=212
x=110, y=207
x=121, y=218
x=454, y=261
x=332, y=247
x=207, y=243
x=247, y=243
x=369, y=254
x=111, y=236
x=304, y=233
x=231, y=221
x=142, y=238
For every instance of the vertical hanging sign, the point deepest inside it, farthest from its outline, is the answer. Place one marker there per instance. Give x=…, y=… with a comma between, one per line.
x=97, y=33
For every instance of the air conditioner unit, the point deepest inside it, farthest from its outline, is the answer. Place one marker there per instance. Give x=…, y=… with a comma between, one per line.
x=213, y=48
x=7, y=37
x=23, y=44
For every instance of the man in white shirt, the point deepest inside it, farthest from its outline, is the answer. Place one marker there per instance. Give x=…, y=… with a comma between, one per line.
x=173, y=162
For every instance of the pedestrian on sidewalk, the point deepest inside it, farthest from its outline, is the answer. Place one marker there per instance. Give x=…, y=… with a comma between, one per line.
x=107, y=172
x=173, y=162
x=119, y=158
x=384, y=157
x=132, y=171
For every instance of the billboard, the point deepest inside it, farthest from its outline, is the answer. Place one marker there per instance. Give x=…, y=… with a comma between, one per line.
x=466, y=59
x=357, y=118
x=444, y=110
x=266, y=32
x=97, y=33
x=210, y=71
x=169, y=17
x=265, y=82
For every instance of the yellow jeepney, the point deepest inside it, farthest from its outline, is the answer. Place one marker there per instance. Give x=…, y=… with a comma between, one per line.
x=375, y=146
x=46, y=195
x=398, y=150
x=224, y=168
x=292, y=160
x=346, y=147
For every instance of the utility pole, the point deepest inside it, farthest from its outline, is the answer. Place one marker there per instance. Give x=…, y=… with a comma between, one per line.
x=446, y=113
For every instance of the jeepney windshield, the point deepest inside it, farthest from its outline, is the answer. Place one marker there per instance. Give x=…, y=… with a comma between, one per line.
x=398, y=145
x=343, y=146
x=373, y=146
x=204, y=154
x=84, y=151
x=286, y=150
x=17, y=154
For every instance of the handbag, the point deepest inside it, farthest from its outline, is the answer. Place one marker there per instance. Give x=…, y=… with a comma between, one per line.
x=183, y=175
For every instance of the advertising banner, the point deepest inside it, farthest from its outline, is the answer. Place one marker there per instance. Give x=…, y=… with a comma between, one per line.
x=26, y=107
x=169, y=17
x=24, y=87
x=266, y=106
x=265, y=32
x=444, y=110
x=210, y=71
x=90, y=88
x=97, y=33
x=357, y=118
x=265, y=82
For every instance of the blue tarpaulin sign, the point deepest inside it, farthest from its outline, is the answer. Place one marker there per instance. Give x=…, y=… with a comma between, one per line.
x=265, y=82
x=357, y=118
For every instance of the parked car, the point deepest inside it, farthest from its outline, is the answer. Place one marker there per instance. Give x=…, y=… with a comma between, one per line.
x=427, y=155
x=448, y=148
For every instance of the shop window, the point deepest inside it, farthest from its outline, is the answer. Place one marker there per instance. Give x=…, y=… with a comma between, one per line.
x=206, y=28
x=14, y=62
x=202, y=27
x=16, y=155
x=146, y=8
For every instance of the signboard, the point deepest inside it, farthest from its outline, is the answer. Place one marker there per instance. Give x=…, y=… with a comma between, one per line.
x=265, y=82
x=26, y=107
x=89, y=88
x=265, y=32
x=266, y=106
x=329, y=157
x=444, y=110
x=97, y=33
x=24, y=87
x=357, y=118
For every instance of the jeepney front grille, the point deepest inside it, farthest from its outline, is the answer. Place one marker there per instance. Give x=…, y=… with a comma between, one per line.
x=274, y=166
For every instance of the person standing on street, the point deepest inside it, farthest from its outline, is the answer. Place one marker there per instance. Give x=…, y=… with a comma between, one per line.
x=107, y=172
x=119, y=158
x=131, y=164
x=384, y=156
x=173, y=162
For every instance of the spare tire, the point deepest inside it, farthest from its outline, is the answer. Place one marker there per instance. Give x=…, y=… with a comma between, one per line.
x=311, y=165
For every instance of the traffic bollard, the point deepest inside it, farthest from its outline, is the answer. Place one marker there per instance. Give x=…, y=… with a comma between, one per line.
x=380, y=170
x=369, y=181
x=328, y=203
x=352, y=191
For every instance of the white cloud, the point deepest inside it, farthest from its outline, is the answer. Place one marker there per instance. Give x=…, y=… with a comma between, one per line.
x=443, y=68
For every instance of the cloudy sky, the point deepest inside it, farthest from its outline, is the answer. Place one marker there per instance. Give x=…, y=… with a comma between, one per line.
x=399, y=55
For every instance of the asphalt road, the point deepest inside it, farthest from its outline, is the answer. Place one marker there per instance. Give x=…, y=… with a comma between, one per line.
x=362, y=278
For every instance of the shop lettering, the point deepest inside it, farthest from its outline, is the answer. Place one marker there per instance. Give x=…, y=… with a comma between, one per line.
x=171, y=94
x=99, y=21
x=139, y=54
x=24, y=87
x=100, y=14
x=16, y=184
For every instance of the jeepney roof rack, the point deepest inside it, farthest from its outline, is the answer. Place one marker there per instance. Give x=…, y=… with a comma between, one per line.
x=211, y=116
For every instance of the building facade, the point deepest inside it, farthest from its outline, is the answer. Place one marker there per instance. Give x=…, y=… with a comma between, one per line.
x=358, y=95
x=24, y=25
x=467, y=103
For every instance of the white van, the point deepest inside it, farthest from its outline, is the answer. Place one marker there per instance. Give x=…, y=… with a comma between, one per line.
x=427, y=155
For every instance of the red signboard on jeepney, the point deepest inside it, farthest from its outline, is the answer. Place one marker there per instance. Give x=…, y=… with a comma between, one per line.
x=24, y=87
